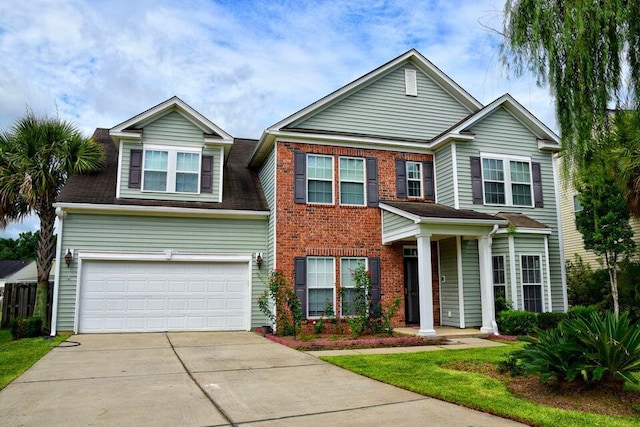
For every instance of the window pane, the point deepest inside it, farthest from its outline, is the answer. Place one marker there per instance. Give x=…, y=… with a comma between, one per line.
x=532, y=298
x=319, y=167
x=318, y=300
x=520, y=172
x=521, y=194
x=498, y=270
x=499, y=291
x=413, y=170
x=320, y=284
x=347, y=267
x=188, y=162
x=351, y=193
x=492, y=170
x=352, y=170
x=577, y=206
x=186, y=182
x=494, y=193
x=156, y=160
x=319, y=192
x=414, y=189
x=155, y=181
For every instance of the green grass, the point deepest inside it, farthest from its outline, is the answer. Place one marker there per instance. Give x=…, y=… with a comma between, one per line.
x=18, y=356
x=421, y=373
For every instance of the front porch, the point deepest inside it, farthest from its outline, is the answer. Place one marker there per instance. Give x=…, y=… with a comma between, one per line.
x=445, y=332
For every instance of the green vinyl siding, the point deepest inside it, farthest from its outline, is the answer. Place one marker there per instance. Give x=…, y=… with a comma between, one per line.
x=268, y=180
x=173, y=130
x=449, y=295
x=444, y=176
x=127, y=233
x=471, y=283
x=501, y=133
x=383, y=108
x=392, y=222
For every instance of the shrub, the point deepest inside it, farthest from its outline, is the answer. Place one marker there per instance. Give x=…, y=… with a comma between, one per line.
x=26, y=327
x=318, y=325
x=288, y=313
x=550, y=320
x=502, y=304
x=581, y=311
x=517, y=322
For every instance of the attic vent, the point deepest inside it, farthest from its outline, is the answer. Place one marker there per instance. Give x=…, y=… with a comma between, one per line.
x=410, y=82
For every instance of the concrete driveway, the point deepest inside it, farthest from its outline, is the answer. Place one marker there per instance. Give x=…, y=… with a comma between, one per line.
x=209, y=379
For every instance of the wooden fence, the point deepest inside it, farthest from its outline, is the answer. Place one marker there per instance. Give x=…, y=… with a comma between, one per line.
x=19, y=299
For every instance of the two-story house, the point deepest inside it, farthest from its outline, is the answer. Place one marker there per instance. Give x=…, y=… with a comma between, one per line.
x=445, y=201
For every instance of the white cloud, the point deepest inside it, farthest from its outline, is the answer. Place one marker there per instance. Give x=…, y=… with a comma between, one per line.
x=243, y=64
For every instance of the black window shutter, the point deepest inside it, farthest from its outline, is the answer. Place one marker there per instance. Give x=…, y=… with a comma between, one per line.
x=476, y=180
x=135, y=169
x=300, y=177
x=376, y=294
x=429, y=182
x=372, y=181
x=537, y=185
x=206, y=175
x=300, y=265
x=401, y=178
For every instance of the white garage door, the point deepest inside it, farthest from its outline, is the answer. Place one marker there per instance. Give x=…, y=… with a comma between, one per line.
x=163, y=296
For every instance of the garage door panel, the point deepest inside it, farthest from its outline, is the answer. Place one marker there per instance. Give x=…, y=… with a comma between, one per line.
x=156, y=296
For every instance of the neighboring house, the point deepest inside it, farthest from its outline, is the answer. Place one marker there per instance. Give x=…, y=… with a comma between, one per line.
x=29, y=273
x=445, y=201
x=572, y=238
x=8, y=269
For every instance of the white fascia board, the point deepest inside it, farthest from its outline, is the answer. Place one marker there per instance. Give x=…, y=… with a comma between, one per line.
x=352, y=141
x=159, y=210
x=444, y=221
x=124, y=135
x=525, y=230
x=450, y=137
x=545, y=145
x=405, y=214
x=216, y=142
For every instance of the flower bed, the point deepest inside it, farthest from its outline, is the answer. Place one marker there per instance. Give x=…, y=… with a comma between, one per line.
x=324, y=342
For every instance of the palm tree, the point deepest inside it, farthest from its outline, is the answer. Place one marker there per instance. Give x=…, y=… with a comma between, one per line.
x=37, y=155
x=626, y=131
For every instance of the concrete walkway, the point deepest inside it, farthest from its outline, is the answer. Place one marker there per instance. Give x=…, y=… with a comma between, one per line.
x=209, y=379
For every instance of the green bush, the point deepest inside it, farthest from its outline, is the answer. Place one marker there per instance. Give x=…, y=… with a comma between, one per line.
x=581, y=311
x=26, y=327
x=550, y=320
x=589, y=347
x=517, y=322
x=502, y=304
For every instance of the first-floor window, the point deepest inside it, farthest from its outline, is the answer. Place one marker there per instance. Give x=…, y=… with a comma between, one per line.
x=347, y=267
x=531, y=273
x=320, y=285
x=499, y=277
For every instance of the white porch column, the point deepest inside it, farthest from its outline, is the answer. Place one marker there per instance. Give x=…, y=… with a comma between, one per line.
x=486, y=285
x=425, y=286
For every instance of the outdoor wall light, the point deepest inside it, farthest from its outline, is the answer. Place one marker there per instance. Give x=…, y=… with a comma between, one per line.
x=68, y=257
x=259, y=260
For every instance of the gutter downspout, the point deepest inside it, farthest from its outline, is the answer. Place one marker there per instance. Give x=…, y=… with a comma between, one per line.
x=56, y=282
x=494, y=324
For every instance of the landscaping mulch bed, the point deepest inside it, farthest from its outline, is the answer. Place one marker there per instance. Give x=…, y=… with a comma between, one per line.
x=342, y=342
x=572, y=396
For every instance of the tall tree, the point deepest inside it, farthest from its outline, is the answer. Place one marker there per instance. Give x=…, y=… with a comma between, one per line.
x=626, y=131
x=24, y=248
x=604, y=219
x=37, y=155
x=581, y=48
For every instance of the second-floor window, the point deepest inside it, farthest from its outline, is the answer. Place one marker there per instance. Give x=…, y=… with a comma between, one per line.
x=507, y=181
x=414, y=179
x=319, y=179
x=352, y=179
x=171, y=171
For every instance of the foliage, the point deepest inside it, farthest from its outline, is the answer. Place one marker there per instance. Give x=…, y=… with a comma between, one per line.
x=361, y=305
x=512, y=365
x=318, y=325
x=388, y=311
x=24, y=248
x=581, y=311
x=25, y=327
x=502, y=304
x=424, y=373
x=517, y=322
x=604, y=219
x=580, y=48
x=585, y=286
x=550, y=320
x=37, y=155
x=18, y=356
x=280, y=296
x=589, y=347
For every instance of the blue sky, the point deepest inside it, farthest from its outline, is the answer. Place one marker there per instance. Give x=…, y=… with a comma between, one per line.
x=243, y=64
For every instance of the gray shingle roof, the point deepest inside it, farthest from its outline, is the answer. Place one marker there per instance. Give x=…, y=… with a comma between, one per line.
x=435, y=210
x=241, y=187
x=521, y=220
x=7, y=268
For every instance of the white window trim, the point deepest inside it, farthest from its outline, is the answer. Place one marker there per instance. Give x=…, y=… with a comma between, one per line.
x=541, y=284
x=504, y=265
x=366, y=267
x=172, y=160
x=420, y=181
x=506, y=169
x=333, y=288
x=363, y=182
x=333, y=192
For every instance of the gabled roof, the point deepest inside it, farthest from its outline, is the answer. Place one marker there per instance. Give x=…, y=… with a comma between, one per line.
x=415, y=57
x=241, y=187
x=435, y=211
x=521, y=220
x=131, y=127
x=7, y=268
x=547, y=139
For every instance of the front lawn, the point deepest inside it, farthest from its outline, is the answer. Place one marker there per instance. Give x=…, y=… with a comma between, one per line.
x=18, y=356
x=423, y=373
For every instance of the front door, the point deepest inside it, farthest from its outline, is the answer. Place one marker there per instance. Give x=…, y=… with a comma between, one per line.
x=411, y=293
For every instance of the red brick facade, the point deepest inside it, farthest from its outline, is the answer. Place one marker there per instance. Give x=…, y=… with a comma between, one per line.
x=341, y=231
